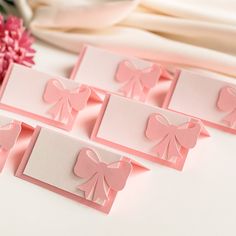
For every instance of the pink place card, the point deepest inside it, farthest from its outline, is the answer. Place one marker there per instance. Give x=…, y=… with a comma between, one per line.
x=47, y=98
x=210, y=98
x=110, y=72
x=146, y=131
x=75, y=168
x=9, y=132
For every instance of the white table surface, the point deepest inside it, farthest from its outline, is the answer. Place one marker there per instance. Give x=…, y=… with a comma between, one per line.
x=199, y=201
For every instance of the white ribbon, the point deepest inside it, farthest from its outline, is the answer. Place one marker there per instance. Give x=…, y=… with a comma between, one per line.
x=187, y=33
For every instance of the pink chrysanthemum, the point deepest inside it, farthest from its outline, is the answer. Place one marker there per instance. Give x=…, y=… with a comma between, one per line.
x=15, y=44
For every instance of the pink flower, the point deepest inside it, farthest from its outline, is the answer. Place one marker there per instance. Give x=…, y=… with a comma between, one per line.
x=15, y=44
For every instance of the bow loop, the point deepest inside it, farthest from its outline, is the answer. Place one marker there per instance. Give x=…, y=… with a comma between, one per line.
x=100, y=177
x=125, y=71
x=171, y=137
x=136, y=81
x=148, y=76
x=227, y=102
x=86, y=164
x=157, y=127
x=115, y=177
x=79, y=97
x=8, y=135
x=53, y=91
x=65, y=100
x=187, y=137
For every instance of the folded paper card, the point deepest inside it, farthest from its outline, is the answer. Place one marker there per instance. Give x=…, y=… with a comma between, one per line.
x=50, y=99
x=74, y=168
x=209, y=98
x=153, y=133
x=106, y=71
x=9, y=132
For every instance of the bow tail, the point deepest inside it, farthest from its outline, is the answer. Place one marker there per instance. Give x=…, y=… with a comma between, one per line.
x=127, y=88
x=173, y=150
x=65, y=113
x=89, y=186
x=231, y=118
x=100, y=191
x=55, y=110
x=137, y=89
x=161, y=147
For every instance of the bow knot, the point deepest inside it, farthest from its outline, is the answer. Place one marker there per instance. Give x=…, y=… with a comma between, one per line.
x=172, y=129
x=65, y=100
x=101, y=168
x=65, y=93
x=171, y=137
x=100, y=177
x=227, y=102
x=137, y=82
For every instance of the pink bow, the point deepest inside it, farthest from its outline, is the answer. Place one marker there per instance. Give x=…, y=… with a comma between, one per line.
x=137, y=81
x=8, y=135
x=100, y=176
x=171, y=138
x=227, y=102
x=65, y=100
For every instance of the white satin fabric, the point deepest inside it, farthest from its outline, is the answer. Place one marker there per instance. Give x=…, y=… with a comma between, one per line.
x=188, y=33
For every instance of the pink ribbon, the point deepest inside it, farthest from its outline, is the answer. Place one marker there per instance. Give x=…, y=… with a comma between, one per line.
x=101, y=177
x=65, y=100
x=8, y=135
x=137, y=81
x=171, y=138
x=227, y=102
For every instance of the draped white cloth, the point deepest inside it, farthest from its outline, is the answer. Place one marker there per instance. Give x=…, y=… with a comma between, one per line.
x=189, y=33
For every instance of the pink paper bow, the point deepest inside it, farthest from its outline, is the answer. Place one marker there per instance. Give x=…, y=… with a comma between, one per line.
x=137, y=81
x=171, y=138
x=100, y=176
x=227, y=102
x=8, y=135
x=65, y=100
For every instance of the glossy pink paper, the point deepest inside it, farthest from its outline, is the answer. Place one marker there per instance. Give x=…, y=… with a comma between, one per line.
x=100, y=176
x=32, y=93
x=9, y=132
x=134, y=127
x=64, y=164
x=227, y=103
x=111, y=72
x=210, y=98
x=170, y=136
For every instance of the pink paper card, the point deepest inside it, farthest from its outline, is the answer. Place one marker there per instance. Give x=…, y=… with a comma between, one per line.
x=47, y=98
x=146, y=131
x=9, y=132
x=209, y=98
x=74, y=168
x=107, y=71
